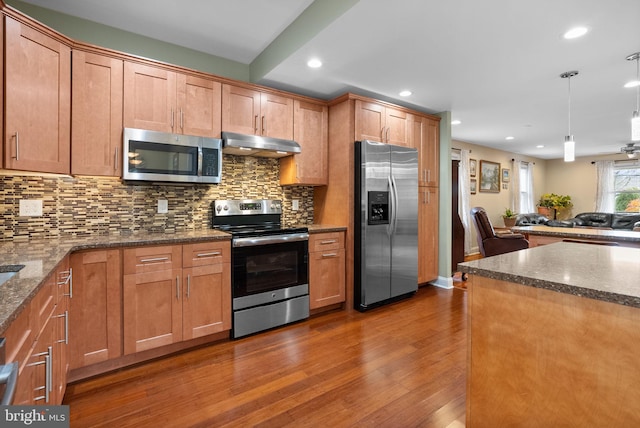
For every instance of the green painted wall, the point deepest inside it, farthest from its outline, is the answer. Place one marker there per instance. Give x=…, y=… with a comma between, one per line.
x=124, y=41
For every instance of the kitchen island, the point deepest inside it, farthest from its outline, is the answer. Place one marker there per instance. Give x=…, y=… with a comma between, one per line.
x=553, y=337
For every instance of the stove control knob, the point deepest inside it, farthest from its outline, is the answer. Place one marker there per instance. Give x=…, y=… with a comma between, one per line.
x=226, y=208
x=218, y=208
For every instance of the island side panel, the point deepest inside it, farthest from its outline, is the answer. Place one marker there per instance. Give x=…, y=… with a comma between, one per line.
x=543, y=358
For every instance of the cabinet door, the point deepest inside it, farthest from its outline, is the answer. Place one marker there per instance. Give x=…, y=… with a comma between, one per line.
x=276, y=116
x=397, y=127
x=95, y=320
x=37, y=100
x=427, y=234
x=426, y=133
x=240, y=110
x=199, y=106
x=370, y=121
x=310, y=130
x=96, y=131
x=326, y=278
x=152, y=310
x=42, y=360
x=206, y=300
x=149, y=98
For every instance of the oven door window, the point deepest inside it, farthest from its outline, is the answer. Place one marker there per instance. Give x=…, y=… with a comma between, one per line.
x=269, y=267
x=157, y=158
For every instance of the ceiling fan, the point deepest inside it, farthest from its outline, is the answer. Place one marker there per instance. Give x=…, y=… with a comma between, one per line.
x=630, y=150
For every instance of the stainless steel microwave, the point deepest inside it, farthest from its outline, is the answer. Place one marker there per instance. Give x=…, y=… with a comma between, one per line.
x=165, y=157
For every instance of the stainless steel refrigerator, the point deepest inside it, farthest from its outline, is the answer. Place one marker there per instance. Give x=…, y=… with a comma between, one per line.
x=386, y=223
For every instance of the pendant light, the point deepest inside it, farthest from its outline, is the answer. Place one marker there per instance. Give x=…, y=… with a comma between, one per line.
x=635, y=118
x=569, y=143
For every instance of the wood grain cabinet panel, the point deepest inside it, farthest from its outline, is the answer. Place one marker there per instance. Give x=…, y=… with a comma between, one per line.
x=311, y=131
x=251, y=112
x=426, y=133
x=96, y=119
x=427, y=234
x=158, y=99
x=377, y=122
x=95, y=318
x=37, y=100
x=327, y=274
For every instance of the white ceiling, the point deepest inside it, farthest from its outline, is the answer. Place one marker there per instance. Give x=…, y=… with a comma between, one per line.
x=495, y=64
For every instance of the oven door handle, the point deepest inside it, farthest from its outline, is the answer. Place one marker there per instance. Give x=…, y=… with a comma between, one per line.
x=266, y=240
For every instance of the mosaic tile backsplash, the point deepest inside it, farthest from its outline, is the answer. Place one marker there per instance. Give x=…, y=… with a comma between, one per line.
x=76, y=206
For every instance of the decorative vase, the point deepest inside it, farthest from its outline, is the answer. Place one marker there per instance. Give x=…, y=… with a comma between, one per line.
x=509, y=221
x=548, y=212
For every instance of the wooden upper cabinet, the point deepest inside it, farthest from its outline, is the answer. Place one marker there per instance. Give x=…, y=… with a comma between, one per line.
x=385, y=124
x=37, y=100
x=310, y=130
x=252, y=112
x=199, y=106
x=157, y=99
x=96, y=118
x=426, y=139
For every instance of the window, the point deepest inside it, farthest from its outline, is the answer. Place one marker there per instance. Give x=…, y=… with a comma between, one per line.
x=525, y=188
x=626, y=186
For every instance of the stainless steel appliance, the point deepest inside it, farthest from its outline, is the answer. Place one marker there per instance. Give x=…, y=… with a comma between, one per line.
x=386, y=223
x=255, y=145
x=8, y=377
x=269, y=277
x=161, y=156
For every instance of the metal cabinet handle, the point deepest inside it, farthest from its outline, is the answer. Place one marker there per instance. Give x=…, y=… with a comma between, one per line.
x=47, y=374
x=188, y=286
x=388, y=129
x=178, y=287
x=328, y=241
x=66, y=327
x=382, y=134
x=17, y=137
x=172, y=118
x=263, y=125
x=9, y=377
x=214, y=253
x=68, y=280
x=255, y=124
x=181, y=118
x=330, y=255
x=155, y=259
x=115, y=160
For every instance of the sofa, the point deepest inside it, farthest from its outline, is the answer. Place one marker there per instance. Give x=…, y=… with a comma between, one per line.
x=615, y=221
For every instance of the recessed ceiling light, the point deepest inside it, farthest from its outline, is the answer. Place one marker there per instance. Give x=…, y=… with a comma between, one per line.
x=314, y=63
x=632, y=84
x=509, y=138
x=539, y=146
x=576, y=32
x=456, y=122
x=405, y=93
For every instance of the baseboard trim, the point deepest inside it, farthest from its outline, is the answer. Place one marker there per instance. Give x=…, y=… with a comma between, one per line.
x=443, y=282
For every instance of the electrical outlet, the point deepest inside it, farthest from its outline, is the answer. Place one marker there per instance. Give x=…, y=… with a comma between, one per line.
x=295, y=204
x=30, y=208
x=163, y=206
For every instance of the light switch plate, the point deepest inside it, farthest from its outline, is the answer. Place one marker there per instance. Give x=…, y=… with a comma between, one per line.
x=295, y=204
x=30, y=208
x=163, y=206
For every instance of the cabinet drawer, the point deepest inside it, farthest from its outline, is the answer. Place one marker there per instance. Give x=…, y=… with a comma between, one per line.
x=206, y=253
x=152, y=259
x=326, y=241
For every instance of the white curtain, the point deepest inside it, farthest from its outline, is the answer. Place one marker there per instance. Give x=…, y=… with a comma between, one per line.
x=527, y=205
x=516, y=192
x=522, y=187
x=463, y=198
x=604, y=186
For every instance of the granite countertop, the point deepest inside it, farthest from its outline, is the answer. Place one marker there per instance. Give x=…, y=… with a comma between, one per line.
x=580, y=232
x=41, y=256
x=598, y=272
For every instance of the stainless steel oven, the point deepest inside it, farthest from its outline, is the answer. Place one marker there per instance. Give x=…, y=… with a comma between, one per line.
x=270, y=265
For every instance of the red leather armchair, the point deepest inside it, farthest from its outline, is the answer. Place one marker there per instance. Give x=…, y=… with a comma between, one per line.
x=491, y=244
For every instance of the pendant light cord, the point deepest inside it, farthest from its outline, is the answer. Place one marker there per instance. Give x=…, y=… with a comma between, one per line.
x=569, y=103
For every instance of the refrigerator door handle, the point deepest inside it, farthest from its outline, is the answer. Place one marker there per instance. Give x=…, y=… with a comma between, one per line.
x=392, y=206
x=394, y=202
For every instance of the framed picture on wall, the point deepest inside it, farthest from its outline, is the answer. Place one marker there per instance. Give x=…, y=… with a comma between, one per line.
x=489, y=176
x=505, y=175
x=473, y=186
x=473, y=166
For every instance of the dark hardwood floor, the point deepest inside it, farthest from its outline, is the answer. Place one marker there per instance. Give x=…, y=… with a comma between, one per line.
x=402, y=365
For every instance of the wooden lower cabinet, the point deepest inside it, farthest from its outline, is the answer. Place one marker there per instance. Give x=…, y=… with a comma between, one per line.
x=95, y=317
x=165, y=304
x=427, y=234
x=327, y=274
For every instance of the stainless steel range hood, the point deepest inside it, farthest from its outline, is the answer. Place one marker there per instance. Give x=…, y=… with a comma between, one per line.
x=254, y=145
